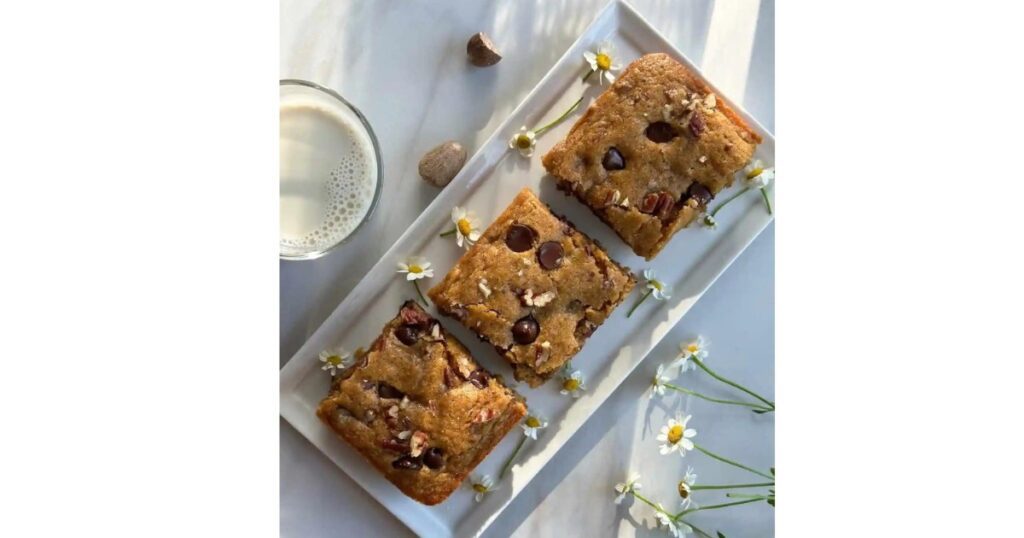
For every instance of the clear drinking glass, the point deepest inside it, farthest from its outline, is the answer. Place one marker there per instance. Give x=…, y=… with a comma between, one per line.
x=330, y=170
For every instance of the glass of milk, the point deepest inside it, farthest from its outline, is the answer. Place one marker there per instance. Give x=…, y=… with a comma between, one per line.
x=330, y=170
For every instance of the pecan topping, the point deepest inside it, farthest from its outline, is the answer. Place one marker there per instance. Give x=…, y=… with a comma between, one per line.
x=696, y=124
x=415, y=317
x=417, y=443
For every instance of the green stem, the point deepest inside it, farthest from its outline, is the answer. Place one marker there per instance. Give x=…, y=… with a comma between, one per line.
x=734, y=486
x=731, y=383
x=767, y=202
x=539, y=130
x=638, y=303
x=723, y=505
x=694, y=527
x=416, y=285
x=745, y=496
x=727, y=200
x=717, y=400
x=733, y=463
x=649, y=503
x=589, y=72
x=512, y=458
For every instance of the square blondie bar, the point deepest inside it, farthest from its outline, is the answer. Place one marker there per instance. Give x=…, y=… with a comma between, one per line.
x=651, y=152
x=534, y=287
x=419, y=408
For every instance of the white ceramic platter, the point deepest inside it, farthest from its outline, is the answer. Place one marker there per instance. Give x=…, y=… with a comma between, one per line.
x=691, y=262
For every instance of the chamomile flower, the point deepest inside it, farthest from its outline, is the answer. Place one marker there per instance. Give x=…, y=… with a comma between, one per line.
x=335, y=359
x=467, y=227
x=757, y=175
x=697, y=348
x=631, y=484
x=675, y=528
x=482, y=485
x=532, y=425
x=686, y=486
x=572, y=382
x=602, y=62
x=659, y=289
x=525, y=141
x=675, y=436
x=415, y=268
x=660, y=378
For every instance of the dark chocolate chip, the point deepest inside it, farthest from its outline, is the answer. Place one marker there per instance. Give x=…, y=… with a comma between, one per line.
x=387, y=391
x=520, y=238
x=649, y=203
x=479, y=378
x=434, y=457
x=407, y=462
x=660, y=132
x=525, y=330
x=696, y=124
x=613, y=160
x=407, y=334
x=549, y=254
x=699, y=193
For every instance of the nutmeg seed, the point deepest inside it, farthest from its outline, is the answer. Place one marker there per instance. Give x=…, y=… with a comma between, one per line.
x=481, y=50
x=442, y=163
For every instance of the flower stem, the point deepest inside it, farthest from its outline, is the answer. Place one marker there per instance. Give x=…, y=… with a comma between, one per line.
x=638, y=303
x=767, y=202
x=449, y=232
x=733, y=463
x=589, y=72
x=717, y=400
x=694, y=527
x=559, y=119
x=732, y=383
x=416, y=285
x=727, y=200
x=734, y=486
x=649, y=503
x=745, y=496
x=723, y=505
x=512, y=458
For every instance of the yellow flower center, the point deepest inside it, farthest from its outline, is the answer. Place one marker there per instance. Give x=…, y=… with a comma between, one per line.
x=334, y=359
x=571, y=384
x=464, y=226
x=533, y=422
x=693, y=348
x=415, y=269
x=657, y=284
x=675, y=433
x=754, y=173
x=684, y=489
x=523, y=142
x=479, y=488
x=604, y=62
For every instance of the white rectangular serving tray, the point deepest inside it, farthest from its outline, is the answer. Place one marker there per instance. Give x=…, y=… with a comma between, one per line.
x=691, y=262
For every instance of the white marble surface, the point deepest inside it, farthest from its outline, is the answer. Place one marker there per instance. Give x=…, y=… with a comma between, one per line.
x=403, y=65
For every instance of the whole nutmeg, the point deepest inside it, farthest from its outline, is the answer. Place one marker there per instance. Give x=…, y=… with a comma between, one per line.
x=481, y=50
x=442, y=163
